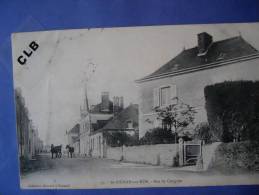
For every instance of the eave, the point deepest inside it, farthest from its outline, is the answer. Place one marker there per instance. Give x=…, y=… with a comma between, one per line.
x=199, y=68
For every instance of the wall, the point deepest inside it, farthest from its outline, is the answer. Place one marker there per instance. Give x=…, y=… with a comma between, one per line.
x=190, y=89
x=97, y=145
x=209, y=154
x=84, y=133
x=161, y=154
x=114, y=153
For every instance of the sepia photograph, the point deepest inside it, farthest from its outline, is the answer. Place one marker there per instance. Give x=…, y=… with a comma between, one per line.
x=131, y=107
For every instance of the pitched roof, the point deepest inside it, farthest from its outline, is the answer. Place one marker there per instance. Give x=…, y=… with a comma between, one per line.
x=75, y=129
x=218, y=52
x=121, y=120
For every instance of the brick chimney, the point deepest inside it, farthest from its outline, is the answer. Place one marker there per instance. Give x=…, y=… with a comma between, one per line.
x=117, y=104
x=204, y=42
x=105, y=102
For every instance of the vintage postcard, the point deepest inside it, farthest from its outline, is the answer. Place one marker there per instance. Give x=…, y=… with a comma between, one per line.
x=155, y=106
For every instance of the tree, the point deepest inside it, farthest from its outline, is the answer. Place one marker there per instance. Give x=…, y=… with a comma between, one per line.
x=177, y=116
x=202, y=131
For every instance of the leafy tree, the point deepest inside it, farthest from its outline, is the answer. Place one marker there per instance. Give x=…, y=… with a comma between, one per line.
x=202, y=131
x=176, y=116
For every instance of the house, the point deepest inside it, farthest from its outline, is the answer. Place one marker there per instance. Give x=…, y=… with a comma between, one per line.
x=73, y=138
x=95, y=117
x=185, y=76
x=29, y=143
x=124, y=122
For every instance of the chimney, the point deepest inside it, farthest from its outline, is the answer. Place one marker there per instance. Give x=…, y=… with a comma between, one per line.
x=204, y=42
x=117, y=104
x=105, y=102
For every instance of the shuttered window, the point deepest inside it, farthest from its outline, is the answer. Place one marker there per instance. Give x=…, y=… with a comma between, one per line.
x=164, y=96
x=156, y=97
x=173, y=97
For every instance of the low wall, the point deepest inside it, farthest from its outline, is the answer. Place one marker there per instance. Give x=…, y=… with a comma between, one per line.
x=161, y=154
x=114, y=153
x=208, y=154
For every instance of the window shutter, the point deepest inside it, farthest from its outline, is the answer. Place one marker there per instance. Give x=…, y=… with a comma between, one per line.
x=173, y=94
x=155, y=97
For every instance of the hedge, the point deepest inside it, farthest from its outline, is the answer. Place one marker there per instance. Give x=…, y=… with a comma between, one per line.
x=233, y=110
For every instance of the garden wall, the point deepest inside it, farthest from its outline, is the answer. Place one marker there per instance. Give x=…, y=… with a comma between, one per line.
x=160, y=154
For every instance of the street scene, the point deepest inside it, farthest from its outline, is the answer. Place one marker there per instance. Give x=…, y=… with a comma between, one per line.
x=150, y=106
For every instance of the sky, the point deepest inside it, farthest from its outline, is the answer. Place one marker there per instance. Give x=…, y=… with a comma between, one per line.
x=110, y=59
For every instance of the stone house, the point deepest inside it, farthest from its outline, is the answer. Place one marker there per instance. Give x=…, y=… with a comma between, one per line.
x=186, y=75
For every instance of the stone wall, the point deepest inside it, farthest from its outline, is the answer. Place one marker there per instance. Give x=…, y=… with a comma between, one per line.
x=160, y=154
x=208, y=154
x=114, y=153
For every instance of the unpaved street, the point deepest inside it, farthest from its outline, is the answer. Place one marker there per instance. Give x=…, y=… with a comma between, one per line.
x=103, y=173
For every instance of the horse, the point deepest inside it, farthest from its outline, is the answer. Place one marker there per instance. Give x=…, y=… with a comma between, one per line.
x=56, y=150
x=70, y=151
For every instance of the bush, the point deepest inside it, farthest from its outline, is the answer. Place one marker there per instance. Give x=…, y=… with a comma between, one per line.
x=119, y=138
x=158, y=136
x=239, y=156
x=202, y=131
x=233, y=110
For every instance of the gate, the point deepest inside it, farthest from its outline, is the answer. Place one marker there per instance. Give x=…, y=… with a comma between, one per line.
x=189, y=152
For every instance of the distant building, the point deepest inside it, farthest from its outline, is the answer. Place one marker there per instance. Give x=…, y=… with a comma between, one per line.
x=185, y=76
x=73, y=138
x=95, y=117
x=125, y=121
x=29, y=143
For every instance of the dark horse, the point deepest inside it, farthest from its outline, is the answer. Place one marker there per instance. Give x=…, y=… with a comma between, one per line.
x=56, y=150
x=70, y=151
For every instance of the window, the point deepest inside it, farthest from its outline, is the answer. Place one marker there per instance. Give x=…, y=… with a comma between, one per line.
x=130, y=124
x=164, y=96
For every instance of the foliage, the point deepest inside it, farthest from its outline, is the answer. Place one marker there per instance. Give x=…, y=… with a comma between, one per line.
x=232, y=110
x=202, y=131
x=119, y=138
x=230, y=157
x=177, y=116
x=158, y=136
